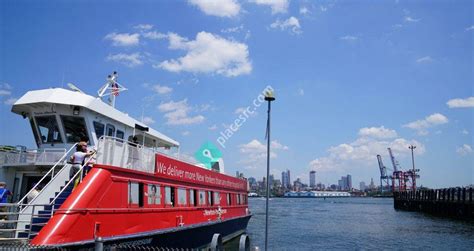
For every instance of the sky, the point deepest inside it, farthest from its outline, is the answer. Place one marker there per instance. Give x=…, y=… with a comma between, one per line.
x=350, y=78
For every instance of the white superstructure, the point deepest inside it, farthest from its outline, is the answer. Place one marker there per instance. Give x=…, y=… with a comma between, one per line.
x=60, y=118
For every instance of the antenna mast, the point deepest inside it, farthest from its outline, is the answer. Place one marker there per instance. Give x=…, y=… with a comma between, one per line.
x=111, y=88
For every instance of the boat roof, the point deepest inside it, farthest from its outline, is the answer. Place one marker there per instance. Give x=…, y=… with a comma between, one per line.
x=75, y=98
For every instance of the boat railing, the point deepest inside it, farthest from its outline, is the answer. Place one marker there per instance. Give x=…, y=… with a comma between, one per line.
x=26, y=157
x=50, y=174
x=121, y=153
x=12, y=221
x=77, y=176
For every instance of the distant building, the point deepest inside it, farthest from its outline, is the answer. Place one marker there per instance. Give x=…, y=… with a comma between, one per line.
x=253, y=184
x=372, y=185
x=312, y=179
x=362, y=186
x=349, y=182
x=271, y=179
x=297, y=185
x=285, y=179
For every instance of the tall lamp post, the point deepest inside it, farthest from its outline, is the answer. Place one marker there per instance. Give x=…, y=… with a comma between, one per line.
x=412, y=147
x=269, y=98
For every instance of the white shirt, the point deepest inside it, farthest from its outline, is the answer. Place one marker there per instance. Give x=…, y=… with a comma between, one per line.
x=79, y=157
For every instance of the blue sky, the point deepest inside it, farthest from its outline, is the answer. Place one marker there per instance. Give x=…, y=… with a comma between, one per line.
x=351, y=78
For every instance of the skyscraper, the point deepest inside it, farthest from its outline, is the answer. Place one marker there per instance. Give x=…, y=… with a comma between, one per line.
x=312, y=179
x=349, y=182
x=285, y=179
x=344, y=183
x=362, y=186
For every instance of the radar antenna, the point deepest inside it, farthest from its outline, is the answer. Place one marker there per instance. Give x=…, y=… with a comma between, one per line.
x=111, y=88
x=74, y=88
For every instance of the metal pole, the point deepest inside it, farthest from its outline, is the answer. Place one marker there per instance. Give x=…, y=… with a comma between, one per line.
x=412, y=147
x=269, y=98
x=268, y=176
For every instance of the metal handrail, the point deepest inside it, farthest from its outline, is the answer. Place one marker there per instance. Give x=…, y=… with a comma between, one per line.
x=71, y=180
x=155, y=151
x=47, y=174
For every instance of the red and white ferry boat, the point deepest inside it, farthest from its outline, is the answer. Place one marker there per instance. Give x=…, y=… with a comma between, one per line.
x=137, y=193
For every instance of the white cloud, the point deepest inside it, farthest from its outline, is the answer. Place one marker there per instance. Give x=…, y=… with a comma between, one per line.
x=148, y=120
x=5, y=86
x=220, y=8
x=176, y=113
x=278, y=6
x=292, y=24
x=209, y=53
x=465, y=132
x=130, y=60
x=377, y=132
x=10, y=101
x=461, y=103
x=349, y=38
x=143, y=27
x=154, y=35
x=233, y=29
x=470, y=28
x=243, y=110
x=304, y=11
x=255, y=152
x=162, y=89
x=186, y=133
x=123, y=39
x=430, y=121
x=323, y=8
x=464, y=150
x=274, y=144
x=362, y=152
x=426, y=59
x=301, y=92
x=213, y=127
x=411, y=20
x=5, y=92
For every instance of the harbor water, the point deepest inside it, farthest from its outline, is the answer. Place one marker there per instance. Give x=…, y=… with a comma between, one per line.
x=353, y=223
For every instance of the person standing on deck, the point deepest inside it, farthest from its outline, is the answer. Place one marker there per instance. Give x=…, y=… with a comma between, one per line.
x=4, y=193
x=78, y=158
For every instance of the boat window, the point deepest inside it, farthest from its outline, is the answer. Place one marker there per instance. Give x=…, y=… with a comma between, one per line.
x=154, y=194
x=210, y=198
x=217, y=198
x=182, y=196
x=35, y=133
x=238, y=199
x=202, y=196
x=141, y=193
x=169, y=196
x=120, y=134
x=75, y=129
x=99, y=129
x=229, y=200
x=110, y=130
x=48, y=129
x=132, y=192
x=192, y=198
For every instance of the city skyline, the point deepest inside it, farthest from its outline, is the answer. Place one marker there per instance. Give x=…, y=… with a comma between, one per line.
x=350, y=80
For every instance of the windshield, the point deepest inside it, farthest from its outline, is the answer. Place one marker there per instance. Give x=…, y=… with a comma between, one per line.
x=48, y=129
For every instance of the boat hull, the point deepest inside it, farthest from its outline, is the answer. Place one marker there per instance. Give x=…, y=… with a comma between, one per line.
x=193, y=236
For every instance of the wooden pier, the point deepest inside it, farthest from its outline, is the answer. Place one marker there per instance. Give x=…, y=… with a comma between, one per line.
x=450, y=202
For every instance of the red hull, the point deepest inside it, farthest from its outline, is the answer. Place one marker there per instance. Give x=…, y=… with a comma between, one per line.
x=114, y=202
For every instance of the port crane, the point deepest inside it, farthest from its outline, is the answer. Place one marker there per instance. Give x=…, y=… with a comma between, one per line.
x=401, y=179
x=384, y=178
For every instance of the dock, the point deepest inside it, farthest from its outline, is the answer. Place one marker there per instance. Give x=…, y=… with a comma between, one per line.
x=448, y=202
